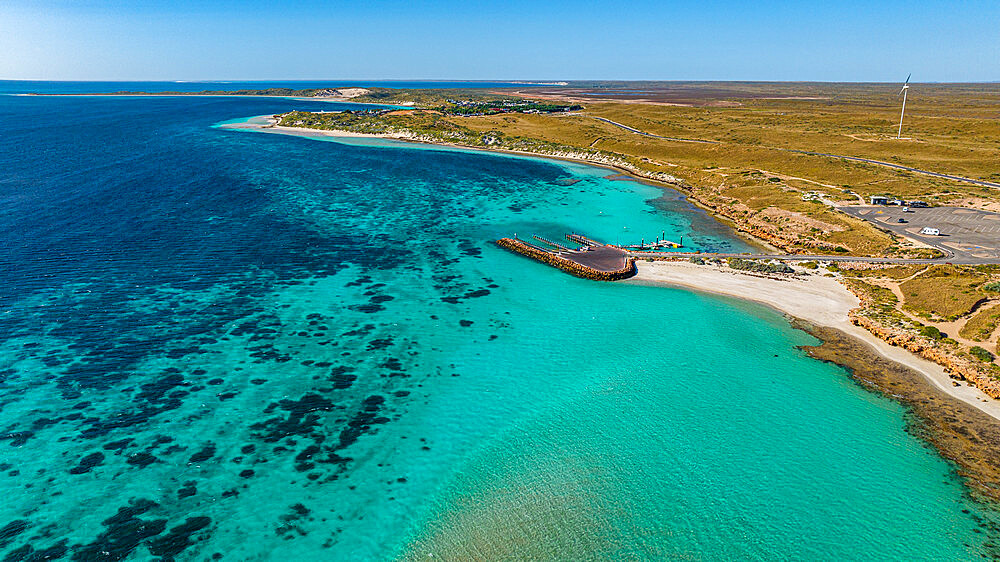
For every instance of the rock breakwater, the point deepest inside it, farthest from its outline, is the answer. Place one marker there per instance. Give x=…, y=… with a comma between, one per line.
x=568, y=265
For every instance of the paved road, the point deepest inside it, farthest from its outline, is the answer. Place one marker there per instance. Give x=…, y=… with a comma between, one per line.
x=645, y=134
x=802, y=257
x=842, y=157
x=900, y=167
x=601, y=258
x=966, y=235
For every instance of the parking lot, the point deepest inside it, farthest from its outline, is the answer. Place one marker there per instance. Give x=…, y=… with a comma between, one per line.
x=967, y=235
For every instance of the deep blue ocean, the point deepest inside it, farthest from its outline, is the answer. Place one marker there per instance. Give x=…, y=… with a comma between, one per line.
x=220, y=344
x=50, y=87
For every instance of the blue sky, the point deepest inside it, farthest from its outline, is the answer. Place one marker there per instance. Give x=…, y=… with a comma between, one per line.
x=712, y=40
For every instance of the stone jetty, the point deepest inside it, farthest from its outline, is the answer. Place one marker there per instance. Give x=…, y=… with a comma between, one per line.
x=600, y=262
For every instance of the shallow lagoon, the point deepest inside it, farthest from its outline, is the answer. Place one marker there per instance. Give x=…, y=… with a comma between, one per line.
x=238, y=343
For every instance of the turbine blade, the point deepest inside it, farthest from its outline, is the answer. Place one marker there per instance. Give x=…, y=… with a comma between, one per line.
x=901, y=91
x=908, y=78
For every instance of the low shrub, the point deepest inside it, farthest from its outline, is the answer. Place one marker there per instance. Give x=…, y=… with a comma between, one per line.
x=758, y=266
x=931, y=332
x=981, y=354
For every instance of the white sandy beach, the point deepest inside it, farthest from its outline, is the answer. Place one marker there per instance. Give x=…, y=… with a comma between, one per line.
x=819, y=300
x=267, y=124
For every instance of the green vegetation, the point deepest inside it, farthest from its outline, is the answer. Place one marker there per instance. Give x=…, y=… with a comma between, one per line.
x=758, y=266
x=943, y=292
x=432, y=126
x=445, y=101
x=981, y=326
x=387, y=96
x=937, y=292
x=981, y=354
x=882, y=303
x=932, y=332
x=891, y=272
x=515, y=105
x=880, y=296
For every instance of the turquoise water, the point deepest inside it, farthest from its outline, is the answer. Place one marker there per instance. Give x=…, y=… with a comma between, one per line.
x=699, y=434
x=230, y=345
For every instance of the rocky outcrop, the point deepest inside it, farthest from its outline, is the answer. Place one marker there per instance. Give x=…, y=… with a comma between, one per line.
x=956, y=366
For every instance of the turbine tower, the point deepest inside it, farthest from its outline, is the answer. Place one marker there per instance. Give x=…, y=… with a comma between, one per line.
x=906, y=86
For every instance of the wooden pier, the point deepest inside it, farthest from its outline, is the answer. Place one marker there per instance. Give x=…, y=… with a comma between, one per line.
x=658, y=245
x=553, y=244
x=601, y=262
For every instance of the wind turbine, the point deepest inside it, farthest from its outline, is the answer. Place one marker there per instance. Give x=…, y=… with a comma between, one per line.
x=906, y=86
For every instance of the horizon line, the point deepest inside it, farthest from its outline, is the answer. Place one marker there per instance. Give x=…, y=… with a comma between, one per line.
x=523, y=81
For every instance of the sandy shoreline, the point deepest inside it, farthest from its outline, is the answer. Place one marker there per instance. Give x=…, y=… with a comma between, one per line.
x=184, y=95
x=818, y=300
x=957, y=419
x=273, y=127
